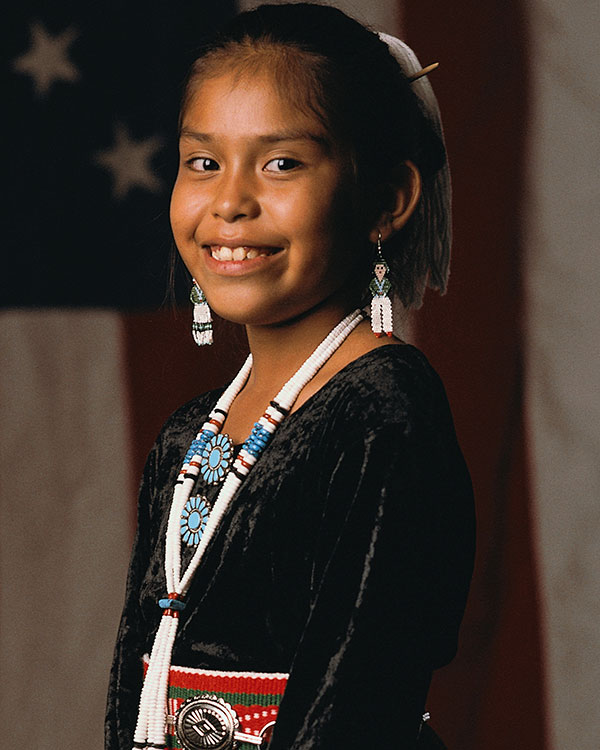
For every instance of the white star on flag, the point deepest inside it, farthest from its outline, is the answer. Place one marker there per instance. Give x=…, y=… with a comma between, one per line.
x=129, y=163
x=47, y=60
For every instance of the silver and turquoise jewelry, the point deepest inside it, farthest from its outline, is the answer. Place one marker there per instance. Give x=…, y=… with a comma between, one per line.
x=194, y=517
x=202, y=329
x=381, y=304
x=151, y=723
x=216, y=458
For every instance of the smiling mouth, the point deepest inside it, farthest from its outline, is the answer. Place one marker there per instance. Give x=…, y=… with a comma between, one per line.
x=243, y=252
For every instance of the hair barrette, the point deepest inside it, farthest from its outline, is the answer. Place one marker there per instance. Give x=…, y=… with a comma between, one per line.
x=423, y=72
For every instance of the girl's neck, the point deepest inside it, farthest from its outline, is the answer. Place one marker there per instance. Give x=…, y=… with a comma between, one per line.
x=279, y=350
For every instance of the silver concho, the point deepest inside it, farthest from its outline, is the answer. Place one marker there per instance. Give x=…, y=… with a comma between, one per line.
x=206, y=722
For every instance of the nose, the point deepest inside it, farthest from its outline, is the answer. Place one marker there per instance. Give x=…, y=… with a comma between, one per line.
x=235, y=197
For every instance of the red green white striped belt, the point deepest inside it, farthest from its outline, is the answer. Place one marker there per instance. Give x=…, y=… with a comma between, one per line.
x=214, y=710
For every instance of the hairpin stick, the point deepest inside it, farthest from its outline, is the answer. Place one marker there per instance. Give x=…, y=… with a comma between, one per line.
x=423, y=72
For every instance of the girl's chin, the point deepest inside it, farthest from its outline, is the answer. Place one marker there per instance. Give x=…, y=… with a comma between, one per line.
x=261, y=312
x=249, y=316
x=240, y=306
x=256, y=309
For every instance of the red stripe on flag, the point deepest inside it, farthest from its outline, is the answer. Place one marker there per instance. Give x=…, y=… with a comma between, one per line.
x=492, y=695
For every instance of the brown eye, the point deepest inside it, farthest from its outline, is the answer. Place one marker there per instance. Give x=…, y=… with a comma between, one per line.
x=281, y=165
x=203, y=164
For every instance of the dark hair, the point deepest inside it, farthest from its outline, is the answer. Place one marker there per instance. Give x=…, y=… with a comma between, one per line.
x=346, y=75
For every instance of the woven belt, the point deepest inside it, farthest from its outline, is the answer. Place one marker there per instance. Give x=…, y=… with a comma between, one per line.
x=213, y=710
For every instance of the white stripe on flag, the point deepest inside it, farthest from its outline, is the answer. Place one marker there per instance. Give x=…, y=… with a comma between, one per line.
x=64, y=536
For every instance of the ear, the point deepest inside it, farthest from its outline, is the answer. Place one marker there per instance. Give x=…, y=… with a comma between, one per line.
x=404, y=192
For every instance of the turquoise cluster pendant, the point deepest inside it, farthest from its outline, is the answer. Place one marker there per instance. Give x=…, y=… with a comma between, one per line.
x=216, y=458
x=193, y=520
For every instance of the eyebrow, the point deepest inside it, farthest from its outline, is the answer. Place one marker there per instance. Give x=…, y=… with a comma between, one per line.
x=268, y=138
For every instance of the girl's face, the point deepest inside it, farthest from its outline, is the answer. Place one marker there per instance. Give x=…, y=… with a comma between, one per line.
x=263, y=209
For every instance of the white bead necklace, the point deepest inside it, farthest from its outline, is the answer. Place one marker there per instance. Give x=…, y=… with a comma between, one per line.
x=151, y=722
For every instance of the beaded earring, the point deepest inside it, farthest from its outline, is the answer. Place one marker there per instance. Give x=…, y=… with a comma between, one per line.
x=202, y=324
x=381, y=305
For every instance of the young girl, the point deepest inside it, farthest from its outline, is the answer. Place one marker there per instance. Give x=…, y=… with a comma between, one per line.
x=305, y=537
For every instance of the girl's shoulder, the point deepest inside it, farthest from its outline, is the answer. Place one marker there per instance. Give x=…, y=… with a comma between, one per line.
x=393, y=384
x=390, y=366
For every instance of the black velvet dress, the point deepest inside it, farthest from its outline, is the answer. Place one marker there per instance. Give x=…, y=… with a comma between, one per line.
x=344, y=559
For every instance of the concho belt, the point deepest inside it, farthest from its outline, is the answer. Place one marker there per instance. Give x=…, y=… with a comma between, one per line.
x=207, y=722
x=215, y=710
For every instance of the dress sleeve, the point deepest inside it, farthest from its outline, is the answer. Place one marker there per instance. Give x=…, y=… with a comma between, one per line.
x=127, y=671
x=391, y=574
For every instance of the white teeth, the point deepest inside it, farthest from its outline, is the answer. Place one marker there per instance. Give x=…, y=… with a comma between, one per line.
x=224, y=253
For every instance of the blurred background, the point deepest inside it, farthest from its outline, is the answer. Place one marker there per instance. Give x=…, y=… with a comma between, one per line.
x=92, y=359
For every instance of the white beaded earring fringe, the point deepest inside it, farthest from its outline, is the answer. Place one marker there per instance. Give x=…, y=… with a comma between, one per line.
x=202, y=331
x=151, y=723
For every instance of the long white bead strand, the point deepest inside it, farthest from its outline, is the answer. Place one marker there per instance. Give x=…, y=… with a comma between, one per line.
x=150, y=700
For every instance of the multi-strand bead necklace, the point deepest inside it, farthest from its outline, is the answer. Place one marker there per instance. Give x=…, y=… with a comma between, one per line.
x=151, y=723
